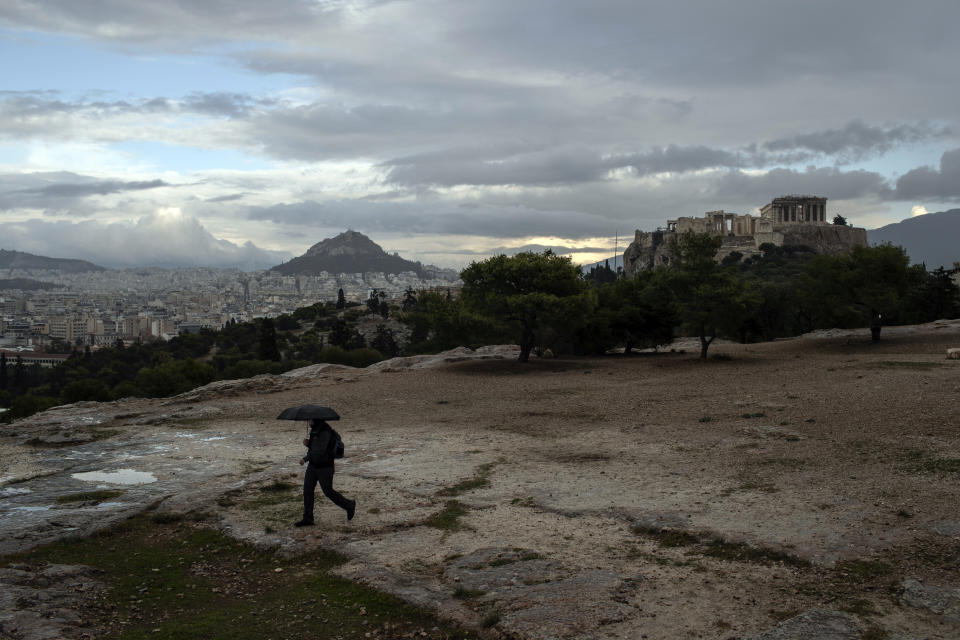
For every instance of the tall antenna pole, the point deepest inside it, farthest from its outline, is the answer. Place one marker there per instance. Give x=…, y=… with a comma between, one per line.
x=616, y=252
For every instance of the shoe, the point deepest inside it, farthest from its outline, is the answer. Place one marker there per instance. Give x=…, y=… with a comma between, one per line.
x=303, y=523
x=351, y=510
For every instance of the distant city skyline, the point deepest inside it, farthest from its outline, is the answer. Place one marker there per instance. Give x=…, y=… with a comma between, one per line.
x=240, y=133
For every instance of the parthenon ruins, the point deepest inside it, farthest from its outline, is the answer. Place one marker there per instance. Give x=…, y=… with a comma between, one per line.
x=787, y=220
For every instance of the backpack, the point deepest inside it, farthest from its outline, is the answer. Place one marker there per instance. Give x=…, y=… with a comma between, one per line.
x=324, y=448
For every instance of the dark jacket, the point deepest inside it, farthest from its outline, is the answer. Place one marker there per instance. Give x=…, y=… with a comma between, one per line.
x=320, y=445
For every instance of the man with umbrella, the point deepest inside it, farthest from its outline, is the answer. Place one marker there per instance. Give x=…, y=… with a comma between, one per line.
x=321, y=447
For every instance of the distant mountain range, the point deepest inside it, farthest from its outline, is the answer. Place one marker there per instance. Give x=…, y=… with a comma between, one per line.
x=21, y=260
x=349, y=252
x=933, y=238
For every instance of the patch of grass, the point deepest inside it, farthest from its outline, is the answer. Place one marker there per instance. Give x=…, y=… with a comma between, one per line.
x=756, y=414
x=705, y=419
x=864, y=570
x=740, y=552
x=182, y=581
x=480, y=480
x=448, y=518
x=524, y=556
x=751, y=485
x=667, y=537
x=919, y=461
x=373, y=510
x=278, y=486
x=165, y=517
x=96, y=497
x=491, y=619
x=719, y=548
x=874, y=632
x=859, y=606
x=785, y=614
x=228, y=498
x=528, y=502
x=463, y=593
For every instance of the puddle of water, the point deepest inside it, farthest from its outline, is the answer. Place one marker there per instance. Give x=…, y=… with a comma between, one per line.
x=184, y=435
x=109, y=505
x=31, y=508
x=214, y=438
x=120, y=476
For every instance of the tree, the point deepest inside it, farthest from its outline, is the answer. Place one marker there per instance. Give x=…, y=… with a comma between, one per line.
x=18, y=373
x=839, y=220
x=340, y=334
x=3, y=371
x=385, y=343
x=539, y=295
x=712, y=300
x=373, y=301
x=341, y=299
x=409, y=300
x=439, y=322
x=868, y=284
x=268, y=349
x=633, y=312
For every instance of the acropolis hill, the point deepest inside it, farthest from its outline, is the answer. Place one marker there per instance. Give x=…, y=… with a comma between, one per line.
x=787, y=220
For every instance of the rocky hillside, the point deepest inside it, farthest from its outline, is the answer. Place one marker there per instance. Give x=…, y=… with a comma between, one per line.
x=930, y=238
x=349, y=252
x=19, y=260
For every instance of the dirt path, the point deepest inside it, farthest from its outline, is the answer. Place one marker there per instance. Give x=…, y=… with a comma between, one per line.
x=654, y=496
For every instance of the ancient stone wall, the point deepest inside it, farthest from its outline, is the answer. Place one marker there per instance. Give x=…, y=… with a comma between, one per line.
x=651, y=249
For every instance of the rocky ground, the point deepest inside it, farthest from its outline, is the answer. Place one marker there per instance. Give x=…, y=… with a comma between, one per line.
x=804, y=488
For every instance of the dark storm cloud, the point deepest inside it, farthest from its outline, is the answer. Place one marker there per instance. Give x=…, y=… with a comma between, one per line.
x=169, y=23
x=100, y=187
x=506, y=221
x=58, y=190
x=234, y=105
x=826, y=181
x=930, y=183
x=858, y=140
x=230, y=197
x=553, y=167
x=29, y=111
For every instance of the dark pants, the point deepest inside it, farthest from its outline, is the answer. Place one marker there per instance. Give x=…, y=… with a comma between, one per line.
x=323, y=475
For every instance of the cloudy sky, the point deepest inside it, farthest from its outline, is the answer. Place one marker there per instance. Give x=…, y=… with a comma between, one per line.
x=240, y=132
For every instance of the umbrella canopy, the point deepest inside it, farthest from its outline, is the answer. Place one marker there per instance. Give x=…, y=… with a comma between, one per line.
x=309, y=412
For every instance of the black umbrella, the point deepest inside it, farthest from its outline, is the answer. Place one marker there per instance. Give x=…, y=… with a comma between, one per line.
x=309, y=412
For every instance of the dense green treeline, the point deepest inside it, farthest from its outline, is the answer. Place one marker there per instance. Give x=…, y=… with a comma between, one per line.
x=539, y=301
x=160, y=369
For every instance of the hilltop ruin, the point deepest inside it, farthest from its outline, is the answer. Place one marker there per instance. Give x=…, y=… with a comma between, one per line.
x=787, y=220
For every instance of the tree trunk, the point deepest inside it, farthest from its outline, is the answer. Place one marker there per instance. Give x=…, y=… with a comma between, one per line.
x=704, y=342
x=526, y=345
